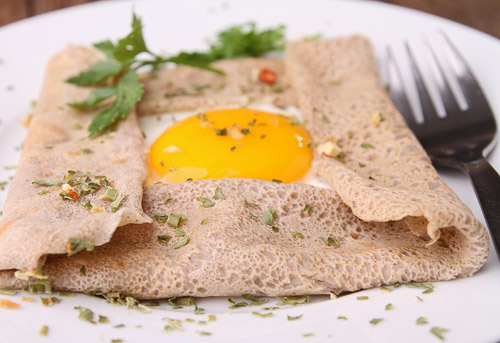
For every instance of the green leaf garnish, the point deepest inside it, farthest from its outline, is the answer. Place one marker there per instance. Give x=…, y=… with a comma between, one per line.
x=376, y=321
x=366, y=145
x=78, y=244
x=95, y=97
x=115, y=205
x=297, y=235
x=179, y=233
x=263, y=315
x=422, y=321
x=218, y=194
x=97, y=73
x=44, y=330
x=438, y=332
x=330, y=241
x=161, y=218
x=8, y=291
x=128, y=92
x=205, y=202
x=250, y=204
x=307, y=209
x=107, y=47
x=294, y=318
x=293, y=300
x=164, y=238
x=269, y=216
x=84, y=313
x=175, y=219
x=388, y=307
x=204, y=221
x=181, y=242
x=364, y=297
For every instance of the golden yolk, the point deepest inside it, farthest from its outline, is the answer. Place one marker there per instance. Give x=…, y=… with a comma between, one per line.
x=232, y=143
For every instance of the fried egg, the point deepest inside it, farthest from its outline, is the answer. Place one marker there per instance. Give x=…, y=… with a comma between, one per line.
x=262, y=142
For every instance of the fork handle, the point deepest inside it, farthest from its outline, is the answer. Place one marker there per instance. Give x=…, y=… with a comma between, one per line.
x=486, y=182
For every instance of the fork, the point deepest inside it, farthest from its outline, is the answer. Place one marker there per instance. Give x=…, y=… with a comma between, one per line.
x=463, y=137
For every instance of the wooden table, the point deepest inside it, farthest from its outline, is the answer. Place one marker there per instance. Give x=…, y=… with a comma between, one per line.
x=483, y=15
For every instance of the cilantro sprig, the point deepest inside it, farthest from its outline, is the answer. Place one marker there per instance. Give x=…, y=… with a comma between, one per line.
x=118, y=78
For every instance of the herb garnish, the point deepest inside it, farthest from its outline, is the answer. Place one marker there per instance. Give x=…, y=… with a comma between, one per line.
x=297, y=235
x=205, y=202
x=422, y=321
x=330, y=241
x=293, y=300
x=251, y=204
x=204, y=221
x=294, y=318
x=163, y=238
x=181, y=242
x=44, y=330
x=376, y=321
x=307, y=210
x=388, y=307
x=8, y=291
x=175, y=219
x=263, y=315
x=84, y=314
x=78, y=244
x=218, y=194
x=269, y=216
x=438, y=332
x=364, y=297
x=366, y=145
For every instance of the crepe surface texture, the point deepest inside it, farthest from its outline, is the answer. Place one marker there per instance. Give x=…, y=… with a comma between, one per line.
x=36, y=220
x=389, y=217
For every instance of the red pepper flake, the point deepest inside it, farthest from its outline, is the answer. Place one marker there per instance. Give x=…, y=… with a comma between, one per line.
x=267, y=76
x=73, y=194
x=68, y=248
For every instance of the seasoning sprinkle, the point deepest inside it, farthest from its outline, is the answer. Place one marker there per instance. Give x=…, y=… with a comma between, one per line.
x=115, y=205
x=164, y=238
x=44, y=330
x=364, y=297
x=307, y=210
x=297, y=235
x=330, y=241
x=181, y=242
x=269, y=216
x=251, y=204
x=205, y=202
x=218, y=194
x=204, y=221
x=263, y=315
x=422, y=321
x=84, y=314
x=76, y=244
x=366, y=145
x=376, y=321
x=175, y=219
x=168, y=200
x=388, y=307
x=438, y=332
x=290, y=318
x=341, y=318
x=179, y=233
x=83, y=270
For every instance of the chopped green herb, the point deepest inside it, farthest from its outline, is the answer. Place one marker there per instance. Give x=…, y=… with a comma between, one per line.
x=212, y=318
x=83, y=270
x=205, y=202
x=119, y=326
x=269, y=216
x=78, y=244
x=376, y=321
x=371, y=178
x=221, y=132
x=307, y=209
x=161, y=218
x=324, y=119
x=361, y=165
x=438, y=332
x=424, y=285
x=49, y=301
x=430, y=290
x=233, y=148
x=422, y=321
x=168, y=200
x=245, y=131
x=420, y=299
x=111, y=193
x=341, y=318
x=115, y=205
x=179, y=232
x=46, y=183
x=181, y=242
x=251, y=204
x=86, y=204
x=275, y=229
x=330, y=241
x=306, y=335
x=203, y=333
x=366, y=145
x=204, y=221
x=294, y=318
x=272, y=308
x=386, y=289
x=218, y=194
x=277, y=181
x=84, y=313
x=202, y=322
x=163, y=238
x=364, y=297
x=117, y=341
x=102, y=320
x=263, y=315
x=388, y=307
x=87, y=151
x=297, y=235
x=254, y=301
x=293, y=300
x=44, y=330
x=175, y=219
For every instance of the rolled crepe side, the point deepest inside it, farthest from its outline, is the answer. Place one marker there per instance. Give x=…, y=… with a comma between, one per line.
x=37, y=221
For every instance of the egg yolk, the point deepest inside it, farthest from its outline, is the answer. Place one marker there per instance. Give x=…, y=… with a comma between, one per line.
x=232, y=143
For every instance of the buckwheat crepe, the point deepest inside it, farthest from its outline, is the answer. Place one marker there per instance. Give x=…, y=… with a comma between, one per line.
x=389, y=216
x=36, y=220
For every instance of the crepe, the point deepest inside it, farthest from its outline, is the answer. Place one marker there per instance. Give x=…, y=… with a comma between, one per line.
x=36, y=220
x=388, y=218
x=186, y=88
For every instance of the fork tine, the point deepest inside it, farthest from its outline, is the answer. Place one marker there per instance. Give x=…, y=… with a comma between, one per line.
x=397, y=90
x=466, y=80
x=449, y=101
x=428, y=110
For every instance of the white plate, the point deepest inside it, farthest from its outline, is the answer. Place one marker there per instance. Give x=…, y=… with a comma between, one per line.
x=467, y=307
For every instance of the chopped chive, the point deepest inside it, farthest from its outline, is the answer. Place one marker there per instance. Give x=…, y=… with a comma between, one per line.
x=364, y=297
x=263, y=315
x=204, y=221
x=218, y=194
x=168, y=200
x=181, y=242
x=438, y=332
x=297, y=235
x=164, y=238
x=376, y=321
x=179, y=233
x=388, y=307
x=307, y=209
x=366, y=145
x=294, y=318
x=422, y=321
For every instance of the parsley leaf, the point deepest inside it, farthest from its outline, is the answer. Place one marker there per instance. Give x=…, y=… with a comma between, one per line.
x=95, y=97
x=128, y=91
x=97, y=73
